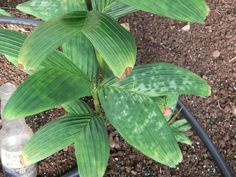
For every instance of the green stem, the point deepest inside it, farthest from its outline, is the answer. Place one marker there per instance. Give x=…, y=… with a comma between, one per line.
x=89, y=5
x=96, y=103
x=96, y=100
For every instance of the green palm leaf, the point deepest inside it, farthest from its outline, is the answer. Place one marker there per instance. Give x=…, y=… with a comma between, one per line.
x=181, y=125
x=47, y=9
x=181, y=137
x=81, y=52
x=100, y=5
x=140, y=122
x=48, y=36
x=117, y=9
x=54, y=136
x=179, y=128
x=46, y=89
x=79, y=49
x=190, y=10
x=3, y=12
x=77, y=107
x=92, y=149
x=162, y=79
x=113, y=42
x=10, y=44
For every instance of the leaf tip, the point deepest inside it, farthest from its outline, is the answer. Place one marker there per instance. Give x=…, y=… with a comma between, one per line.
x=127, y=71
x=21, y=66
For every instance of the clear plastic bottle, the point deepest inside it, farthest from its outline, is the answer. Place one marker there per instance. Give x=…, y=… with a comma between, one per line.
x=13, y=136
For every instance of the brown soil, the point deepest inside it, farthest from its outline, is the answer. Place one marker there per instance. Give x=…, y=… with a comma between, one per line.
x=208, y=50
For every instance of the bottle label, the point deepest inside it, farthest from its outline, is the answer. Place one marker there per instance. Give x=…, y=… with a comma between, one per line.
x=11, y=159
x=12, y=166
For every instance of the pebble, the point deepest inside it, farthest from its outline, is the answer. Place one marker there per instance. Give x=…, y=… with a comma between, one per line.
x=234, y=110
x=186, y=27
x=216, y=54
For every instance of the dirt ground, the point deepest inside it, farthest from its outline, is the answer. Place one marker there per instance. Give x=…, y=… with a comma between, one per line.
x=208, y=50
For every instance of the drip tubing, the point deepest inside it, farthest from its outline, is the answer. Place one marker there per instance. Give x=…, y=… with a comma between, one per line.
x=18, y=21
x=226, y=172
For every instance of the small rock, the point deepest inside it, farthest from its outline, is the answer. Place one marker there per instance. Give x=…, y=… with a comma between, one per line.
x=216, y=54
x=126, y=26
x=204, y=77
x=234, y=110
x=186, y=27
x=134, y=172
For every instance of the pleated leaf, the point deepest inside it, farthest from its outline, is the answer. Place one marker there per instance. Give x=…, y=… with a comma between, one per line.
x=10, y=44
x=140, y=122
x=190, y=10
x=117, y=9
x=160, y=79
x=100, y=5
x=57, y=59
x=179, y=128
x=3, y=12
x=46, y=89
x=81, y=52
x=79, y=49
x=113, y=42
x=48, y=36
x=181, y=137
x=181, y=125
x=77, y=107
x=47, y=9
x=54, y=136
x=92, y=149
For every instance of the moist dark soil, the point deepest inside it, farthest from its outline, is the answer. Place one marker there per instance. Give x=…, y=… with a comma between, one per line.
x=208, y=50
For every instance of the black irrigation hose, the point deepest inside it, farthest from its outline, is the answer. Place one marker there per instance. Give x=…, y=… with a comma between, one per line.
x=18, y=21
x=72, y=173
x=225, y=170
x=191, y=119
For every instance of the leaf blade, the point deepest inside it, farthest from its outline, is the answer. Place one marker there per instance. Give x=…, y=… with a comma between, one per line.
x=10, y=44
x=114, y=43
x=3, y=12
x=139, y=121
x=181, y=137
x=46, y=89
x=77, y=107
x=118, y=9
x=92, y=149
x=161, y=79
x=48, y=36
x=54, y=136
x=81, y=52
x=191, y=10
x=100, y=5
x=48, y=9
